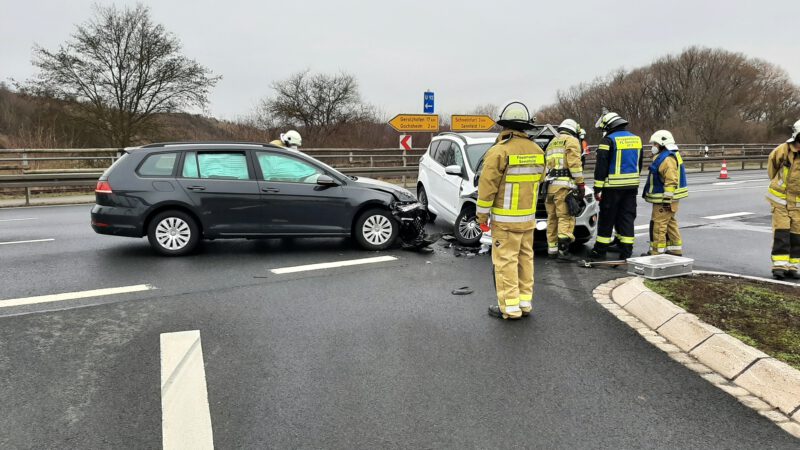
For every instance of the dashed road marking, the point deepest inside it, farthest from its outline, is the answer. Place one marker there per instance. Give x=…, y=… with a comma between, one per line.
x=27, y=242
x=642, y=227
x=728, y=216
x=74, y=295
x=185, y=415
x=331, y=265
x=18, y=220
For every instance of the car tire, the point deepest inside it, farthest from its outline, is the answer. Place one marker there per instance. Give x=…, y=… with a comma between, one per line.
x=466, y=229
x=422, y=197
x=376, y=229
x=173, y=233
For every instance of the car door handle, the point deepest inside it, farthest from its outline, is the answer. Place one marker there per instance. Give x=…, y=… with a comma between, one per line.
x=270, y=190
x=196, y=188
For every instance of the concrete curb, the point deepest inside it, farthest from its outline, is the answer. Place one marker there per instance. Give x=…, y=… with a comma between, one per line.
x=767, y=385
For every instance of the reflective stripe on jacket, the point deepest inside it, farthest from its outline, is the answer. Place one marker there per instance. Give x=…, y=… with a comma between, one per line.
x=509, y=181
x=784, y=172
x=624, y=160
x=667, y=179
x=563, y=155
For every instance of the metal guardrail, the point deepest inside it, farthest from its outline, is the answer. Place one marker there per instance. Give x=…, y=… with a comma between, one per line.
x=33, y=171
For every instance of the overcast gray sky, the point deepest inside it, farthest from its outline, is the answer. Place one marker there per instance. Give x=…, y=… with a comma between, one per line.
x=468, y=52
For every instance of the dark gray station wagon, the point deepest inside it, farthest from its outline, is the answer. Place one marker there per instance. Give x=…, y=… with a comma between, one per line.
x=179, y=193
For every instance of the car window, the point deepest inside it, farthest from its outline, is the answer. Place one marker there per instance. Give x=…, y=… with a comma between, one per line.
x=445, y=154
x=475, y=152
x=158, y=165
x=287, y=169
x=458, y=156
x=190, y=166
x=216, y=165
x=433, y=149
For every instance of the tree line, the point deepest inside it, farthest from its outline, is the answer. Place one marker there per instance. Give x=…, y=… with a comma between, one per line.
x=120, y=79
x=703, y=95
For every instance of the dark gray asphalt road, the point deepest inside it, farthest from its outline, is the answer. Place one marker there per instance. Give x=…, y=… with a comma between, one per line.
x=361, y=357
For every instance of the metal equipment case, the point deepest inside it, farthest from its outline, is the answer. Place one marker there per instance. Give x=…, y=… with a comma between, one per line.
x=657, y=267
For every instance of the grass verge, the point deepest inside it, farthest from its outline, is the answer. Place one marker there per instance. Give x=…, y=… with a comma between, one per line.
x=763, y=315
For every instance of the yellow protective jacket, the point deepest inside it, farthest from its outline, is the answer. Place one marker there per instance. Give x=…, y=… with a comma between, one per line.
x=563, y=167
x=783, y=167
x=509, y=182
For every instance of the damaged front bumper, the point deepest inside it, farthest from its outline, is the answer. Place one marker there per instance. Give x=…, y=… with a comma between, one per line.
x=412, y=217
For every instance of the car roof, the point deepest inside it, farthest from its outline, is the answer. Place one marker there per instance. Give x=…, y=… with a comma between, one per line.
x=210, y=145
x=469, y=138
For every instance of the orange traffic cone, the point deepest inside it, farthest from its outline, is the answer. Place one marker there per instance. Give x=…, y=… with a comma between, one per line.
x=723, y=172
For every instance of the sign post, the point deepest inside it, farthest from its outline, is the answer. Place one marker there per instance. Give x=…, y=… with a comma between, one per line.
x=471, y=123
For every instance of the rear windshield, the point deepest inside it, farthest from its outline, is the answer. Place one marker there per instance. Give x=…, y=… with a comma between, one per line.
x=475, y=152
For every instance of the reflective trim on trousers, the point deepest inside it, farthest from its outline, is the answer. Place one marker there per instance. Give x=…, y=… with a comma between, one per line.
x=511, y=304
x=512, y=219
x=626, y=239
x=525, y=298
x=674, y=248
x=552, y=249
x=569, y=184
x=603, y=239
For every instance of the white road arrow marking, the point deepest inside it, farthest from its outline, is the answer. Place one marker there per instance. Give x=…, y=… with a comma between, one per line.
x=185, y=415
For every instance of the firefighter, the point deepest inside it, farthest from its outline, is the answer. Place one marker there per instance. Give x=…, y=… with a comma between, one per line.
x=616, y=174
x=291, y=140
x=564, y=174
x=508, y=186
x=665, y=186
x=584, y=147
x=784, y=197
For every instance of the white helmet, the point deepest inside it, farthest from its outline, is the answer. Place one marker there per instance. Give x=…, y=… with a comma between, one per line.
x=292, y=139
x=795, y=132
x=664, y=138
x=515, y=115
x=609, y=121
x=582, y=134
x=570, y=125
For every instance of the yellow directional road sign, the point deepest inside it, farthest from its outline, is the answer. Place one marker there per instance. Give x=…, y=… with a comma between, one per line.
x=471, y=123
x=415, y=122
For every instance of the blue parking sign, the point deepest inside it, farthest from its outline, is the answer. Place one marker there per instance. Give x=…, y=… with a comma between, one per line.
x=427, y=103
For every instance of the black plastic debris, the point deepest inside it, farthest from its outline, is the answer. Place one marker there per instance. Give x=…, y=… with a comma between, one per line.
x=464, y=290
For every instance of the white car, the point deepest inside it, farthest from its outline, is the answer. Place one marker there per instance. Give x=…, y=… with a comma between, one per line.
x=448, y=179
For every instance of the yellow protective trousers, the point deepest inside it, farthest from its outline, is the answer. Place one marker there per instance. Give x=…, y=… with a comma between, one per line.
x=786, y=237
x=512, y=255
x=665, y=237
x=560, y=224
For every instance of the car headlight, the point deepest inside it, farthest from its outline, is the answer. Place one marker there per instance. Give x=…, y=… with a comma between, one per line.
x=408, y=207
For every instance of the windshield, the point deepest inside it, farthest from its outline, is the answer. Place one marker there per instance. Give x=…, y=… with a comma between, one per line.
x=475, y=152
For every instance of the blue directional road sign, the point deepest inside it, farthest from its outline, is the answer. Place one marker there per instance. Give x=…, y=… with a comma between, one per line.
x=428, y=103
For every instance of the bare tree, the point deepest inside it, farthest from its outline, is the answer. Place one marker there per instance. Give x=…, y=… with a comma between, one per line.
x=121, y=69
x=320, y=104
x=710, y=95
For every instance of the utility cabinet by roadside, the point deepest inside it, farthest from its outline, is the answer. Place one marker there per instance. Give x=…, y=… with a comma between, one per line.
x=657, y=267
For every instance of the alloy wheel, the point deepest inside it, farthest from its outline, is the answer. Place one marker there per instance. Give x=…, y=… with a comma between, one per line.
x=173, y=233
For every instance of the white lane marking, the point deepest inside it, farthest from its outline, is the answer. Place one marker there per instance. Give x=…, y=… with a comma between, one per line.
x=728, y=216
x=17, y=220
x=185, y=415
x=733, y=183
x=331, y=265
x=735, y=188
x=26, y=242
x=74, y=295
x=642, y=227
x=641, y=234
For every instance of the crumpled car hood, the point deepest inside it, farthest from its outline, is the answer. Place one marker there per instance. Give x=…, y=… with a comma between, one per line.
x=400, y=193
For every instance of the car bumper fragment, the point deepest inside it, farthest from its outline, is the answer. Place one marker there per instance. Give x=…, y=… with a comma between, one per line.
x=412, y=217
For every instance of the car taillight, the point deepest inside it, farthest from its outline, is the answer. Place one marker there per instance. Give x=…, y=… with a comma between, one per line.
x=103, y=187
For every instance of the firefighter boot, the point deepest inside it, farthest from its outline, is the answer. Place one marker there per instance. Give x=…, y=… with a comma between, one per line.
x=494, y=311
x=563, y=248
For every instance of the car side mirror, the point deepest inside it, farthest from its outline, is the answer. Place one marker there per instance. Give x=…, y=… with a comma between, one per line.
x=326, y=180
x=454, y=170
